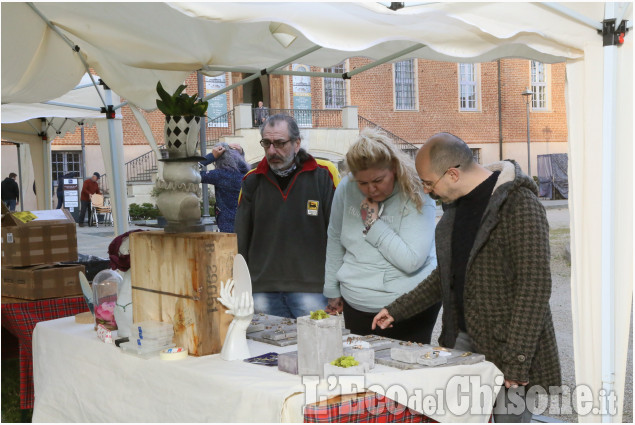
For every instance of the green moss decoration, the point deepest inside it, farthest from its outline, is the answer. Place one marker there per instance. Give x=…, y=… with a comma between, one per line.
x=345, y=361
x=319, y=315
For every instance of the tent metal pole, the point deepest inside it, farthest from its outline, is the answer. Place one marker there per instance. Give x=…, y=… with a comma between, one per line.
x=72, y=45
x=46, y=152
x=228, y=69
x=121, y=105
x=20, y=188
x=308, y=74
x=68, y=105
x=119, y=198
x=609, y=123
x=203, y=141
x=384, y=60
x=574, y=15
x=263, y=72
x=83, y=136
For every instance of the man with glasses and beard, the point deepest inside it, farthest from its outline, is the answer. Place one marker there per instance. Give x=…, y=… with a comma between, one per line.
x=282, y=220
x=493, y=272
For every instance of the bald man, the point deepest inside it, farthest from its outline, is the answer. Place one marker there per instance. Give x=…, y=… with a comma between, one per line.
x=493, y=272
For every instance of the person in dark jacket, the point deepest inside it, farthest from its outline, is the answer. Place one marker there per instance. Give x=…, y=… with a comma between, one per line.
x=282, y=220
x=10, y=191
x=60, y=187
x=89, y=187
x=493, y=272
x=227, y=176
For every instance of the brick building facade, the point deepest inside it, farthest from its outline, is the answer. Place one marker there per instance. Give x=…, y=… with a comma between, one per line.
x=412, y=99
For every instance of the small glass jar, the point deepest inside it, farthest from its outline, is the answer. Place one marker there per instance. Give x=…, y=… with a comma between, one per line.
x=105, y=286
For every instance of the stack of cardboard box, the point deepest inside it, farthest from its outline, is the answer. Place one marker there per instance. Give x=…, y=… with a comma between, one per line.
x=33, y=244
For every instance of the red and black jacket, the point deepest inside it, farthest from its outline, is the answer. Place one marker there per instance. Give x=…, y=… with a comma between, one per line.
x=282, y=233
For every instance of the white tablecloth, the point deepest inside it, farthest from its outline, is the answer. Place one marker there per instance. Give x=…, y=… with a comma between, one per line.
x=78, y=378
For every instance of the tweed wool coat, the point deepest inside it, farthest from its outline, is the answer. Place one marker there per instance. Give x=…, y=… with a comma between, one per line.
x=507, y=283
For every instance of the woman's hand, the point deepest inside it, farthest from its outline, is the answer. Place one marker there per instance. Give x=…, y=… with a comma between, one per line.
x=335, y=306
x=369, y=211
x=218, y=151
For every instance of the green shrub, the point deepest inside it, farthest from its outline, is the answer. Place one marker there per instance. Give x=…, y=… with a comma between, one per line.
x=212, y=204
x=145, y=211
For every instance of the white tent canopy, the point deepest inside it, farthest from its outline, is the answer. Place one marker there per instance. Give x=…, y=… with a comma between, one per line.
x=133, y=45
x=35, y=125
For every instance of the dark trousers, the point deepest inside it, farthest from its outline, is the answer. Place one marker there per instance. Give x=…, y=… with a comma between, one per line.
x=416, y=329
x=60, y=200
x=82, y=213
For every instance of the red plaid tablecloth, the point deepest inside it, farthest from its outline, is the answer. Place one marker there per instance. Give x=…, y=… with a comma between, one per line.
x=20, y=318
x=367, y=407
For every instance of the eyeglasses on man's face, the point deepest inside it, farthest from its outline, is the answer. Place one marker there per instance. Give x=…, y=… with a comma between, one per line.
x=278, y=144
x=428, y=186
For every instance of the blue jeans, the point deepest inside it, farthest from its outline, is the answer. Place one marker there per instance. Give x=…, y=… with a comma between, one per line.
x=288, y=304
x=10, y=204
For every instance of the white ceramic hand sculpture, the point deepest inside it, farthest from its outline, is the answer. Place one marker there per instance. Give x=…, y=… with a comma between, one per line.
x=242, y=307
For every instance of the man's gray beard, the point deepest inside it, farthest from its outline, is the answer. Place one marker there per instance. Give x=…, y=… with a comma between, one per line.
x=281, y=169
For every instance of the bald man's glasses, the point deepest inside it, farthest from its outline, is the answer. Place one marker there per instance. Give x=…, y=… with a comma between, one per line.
x=427, y=186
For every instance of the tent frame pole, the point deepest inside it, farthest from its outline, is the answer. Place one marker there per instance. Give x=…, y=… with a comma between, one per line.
x=263, y=72
x=348, y=75
x=20, y=188
x=609, y=124
x=121, y=216
x=46, y=153
x=68, y=105
x=72, y=45
x=200, y=80
x=573, y=15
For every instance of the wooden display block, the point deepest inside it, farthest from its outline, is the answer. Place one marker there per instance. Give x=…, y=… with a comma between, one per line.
x=176, y=278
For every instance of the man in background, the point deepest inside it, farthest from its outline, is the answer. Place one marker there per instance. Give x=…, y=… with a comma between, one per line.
x=90, y=187
x=260, y=114
x=10, y=191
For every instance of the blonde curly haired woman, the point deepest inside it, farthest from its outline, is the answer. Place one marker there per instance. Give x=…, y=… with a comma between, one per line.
x=380, y=238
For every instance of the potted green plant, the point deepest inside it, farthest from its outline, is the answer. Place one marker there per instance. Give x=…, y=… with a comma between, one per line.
x=182, y=117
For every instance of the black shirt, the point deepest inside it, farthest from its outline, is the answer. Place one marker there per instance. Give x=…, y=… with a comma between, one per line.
x=467, y=221
x=283, y=182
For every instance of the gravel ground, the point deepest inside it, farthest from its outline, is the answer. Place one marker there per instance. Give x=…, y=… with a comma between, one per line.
x=561, y=312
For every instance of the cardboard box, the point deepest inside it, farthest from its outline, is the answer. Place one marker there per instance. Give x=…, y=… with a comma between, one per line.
x=38, y=237
x=176, y=278
x=41, y=281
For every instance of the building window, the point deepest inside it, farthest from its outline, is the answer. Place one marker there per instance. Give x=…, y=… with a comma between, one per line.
x=538, y=86
x=405, y=92
x=63, y=163
x=468, y=100
x=476, y=154
x=335, y=88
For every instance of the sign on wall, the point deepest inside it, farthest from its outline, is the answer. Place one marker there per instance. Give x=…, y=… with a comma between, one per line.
x=217, y=109
x=302, y=96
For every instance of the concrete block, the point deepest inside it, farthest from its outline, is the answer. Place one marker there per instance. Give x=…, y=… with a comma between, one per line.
x=288, y=362
x=362, y=355
x=319, y=342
